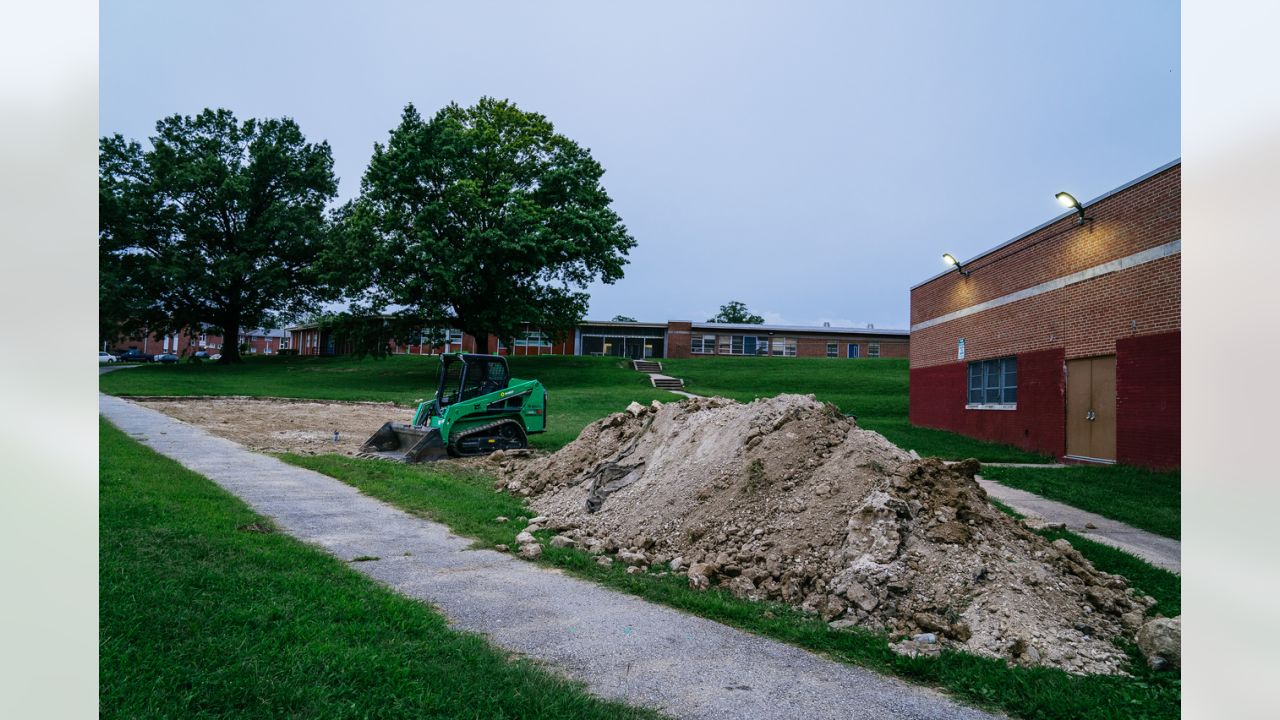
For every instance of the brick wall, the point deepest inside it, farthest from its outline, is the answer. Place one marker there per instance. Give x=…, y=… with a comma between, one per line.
x=938, y=398
x=1085, y=319
x=1135, y=313
x=1148, y=400
x=678, y=339
x=1135, y=219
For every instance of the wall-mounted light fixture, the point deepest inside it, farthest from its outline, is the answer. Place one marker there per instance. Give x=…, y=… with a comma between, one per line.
x=1068, y=200
x=951, y=260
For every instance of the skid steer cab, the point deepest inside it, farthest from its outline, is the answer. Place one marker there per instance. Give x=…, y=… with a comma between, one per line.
x=478, y=408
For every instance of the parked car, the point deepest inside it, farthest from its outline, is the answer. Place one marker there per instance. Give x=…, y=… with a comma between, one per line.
x=165, y=358
x=106, y=357
x=216, y=356
x=135, y=355
x=200, y=355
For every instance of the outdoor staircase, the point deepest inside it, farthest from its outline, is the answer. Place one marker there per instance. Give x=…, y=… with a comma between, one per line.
x=666, y=383
x=647, y=366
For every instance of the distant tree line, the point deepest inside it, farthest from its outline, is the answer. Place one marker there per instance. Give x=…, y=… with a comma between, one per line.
x=478, y=218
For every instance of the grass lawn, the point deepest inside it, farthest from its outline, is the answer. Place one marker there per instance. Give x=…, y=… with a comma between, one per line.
x=464, y=500
x=579, y=389
x=873, y=389
x=1145, y=499
x=203, y=615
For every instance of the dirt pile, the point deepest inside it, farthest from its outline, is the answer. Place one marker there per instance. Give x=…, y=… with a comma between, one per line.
x=786, y=499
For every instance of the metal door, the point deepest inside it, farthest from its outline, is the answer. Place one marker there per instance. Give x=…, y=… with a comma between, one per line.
x=1091, y=408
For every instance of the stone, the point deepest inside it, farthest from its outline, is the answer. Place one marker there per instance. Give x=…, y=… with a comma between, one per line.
x=635, y=409
x=604, y=560
x=700, y=575
x=842, y=624
x=1132, y=620
x=677, y=564
x=501, y=519
x=925, y=638
x=635, y=570
x=532, y=528
x=524, y=538
x=1160, y=641
x=560, y=541
x=539, y=520
x=531, y=551
x=633, y=558
x=501, y=547
x=862, y=597
x=655, y=406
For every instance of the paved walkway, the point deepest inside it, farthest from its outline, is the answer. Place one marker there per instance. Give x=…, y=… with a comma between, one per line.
x=1158, y=550
x=622, y=647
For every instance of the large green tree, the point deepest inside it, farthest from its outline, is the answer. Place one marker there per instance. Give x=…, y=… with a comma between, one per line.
x=480, y=218
x=218, y=225
x=736, y=312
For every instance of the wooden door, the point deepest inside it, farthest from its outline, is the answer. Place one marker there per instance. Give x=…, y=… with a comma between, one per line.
x=1091, y=408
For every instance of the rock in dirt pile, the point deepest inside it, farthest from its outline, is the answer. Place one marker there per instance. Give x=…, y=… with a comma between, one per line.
x=786, y=499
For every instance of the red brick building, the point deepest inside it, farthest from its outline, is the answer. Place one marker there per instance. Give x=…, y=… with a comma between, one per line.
x=184, y=343
x=676, y=339
x=1066, y=339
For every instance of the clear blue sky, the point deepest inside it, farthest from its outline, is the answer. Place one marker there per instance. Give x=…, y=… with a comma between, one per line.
x=812, y=160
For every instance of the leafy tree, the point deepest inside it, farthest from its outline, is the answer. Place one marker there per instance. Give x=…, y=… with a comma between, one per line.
x=736, y=312
x=480, y=218
x=623, y=318
x=218, y=225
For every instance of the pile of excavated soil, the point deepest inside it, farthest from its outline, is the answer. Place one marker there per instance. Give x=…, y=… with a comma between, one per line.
x=785, y=499
x=304, y=427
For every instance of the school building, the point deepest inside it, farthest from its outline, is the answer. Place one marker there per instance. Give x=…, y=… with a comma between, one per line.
x=1066, y=339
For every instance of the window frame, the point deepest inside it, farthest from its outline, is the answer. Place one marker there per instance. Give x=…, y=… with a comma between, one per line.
x=992, y=384
x=833, y=350
x=873, y=349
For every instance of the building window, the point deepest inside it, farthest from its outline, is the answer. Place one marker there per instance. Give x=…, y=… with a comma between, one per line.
x=873, y=349
x=833, y=350
x=703, y=344
x=726, y=345
x=533, y=338
x=737, y=345
x=783, y=346
x=993, y=382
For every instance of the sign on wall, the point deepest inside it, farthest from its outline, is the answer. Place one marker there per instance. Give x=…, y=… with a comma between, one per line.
x=960, y=349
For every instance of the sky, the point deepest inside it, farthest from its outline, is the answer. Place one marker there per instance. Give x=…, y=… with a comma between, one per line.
x=810, y=159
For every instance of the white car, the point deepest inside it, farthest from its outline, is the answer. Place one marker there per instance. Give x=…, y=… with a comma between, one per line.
x=106, y=357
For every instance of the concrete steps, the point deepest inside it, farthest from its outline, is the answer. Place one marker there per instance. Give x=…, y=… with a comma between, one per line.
x=647, y=366
x=666, y=382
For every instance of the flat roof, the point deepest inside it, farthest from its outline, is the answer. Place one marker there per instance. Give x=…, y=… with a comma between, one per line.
x=810, y=329
x=1063, y=216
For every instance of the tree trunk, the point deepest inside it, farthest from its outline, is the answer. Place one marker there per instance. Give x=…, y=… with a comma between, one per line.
x=230, y=341
x=482, y=342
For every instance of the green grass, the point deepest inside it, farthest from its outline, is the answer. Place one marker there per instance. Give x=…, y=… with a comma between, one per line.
x=1164, y=586
x=1145, y=499
x=580, y=390
x=205, y=612
x=463, y=500
x=873, y=389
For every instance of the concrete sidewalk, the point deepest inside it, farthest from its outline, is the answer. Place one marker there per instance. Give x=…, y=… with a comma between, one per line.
x=623, y=648
x=1158, y=550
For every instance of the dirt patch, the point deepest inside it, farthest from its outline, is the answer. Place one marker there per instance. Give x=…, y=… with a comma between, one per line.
x=304, y=427
x=786, y=499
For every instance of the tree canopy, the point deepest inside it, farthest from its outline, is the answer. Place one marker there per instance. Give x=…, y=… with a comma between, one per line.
x=480, y=218
x=217, y=226
x=623, y=318
x=736, y=312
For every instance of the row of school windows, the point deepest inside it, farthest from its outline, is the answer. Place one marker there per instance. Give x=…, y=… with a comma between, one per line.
x=529, y=338
x=764, y=345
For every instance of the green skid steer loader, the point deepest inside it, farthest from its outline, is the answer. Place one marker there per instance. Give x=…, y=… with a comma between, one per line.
x=478, y=408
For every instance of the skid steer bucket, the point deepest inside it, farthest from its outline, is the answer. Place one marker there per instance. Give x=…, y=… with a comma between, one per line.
x=405, y=443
